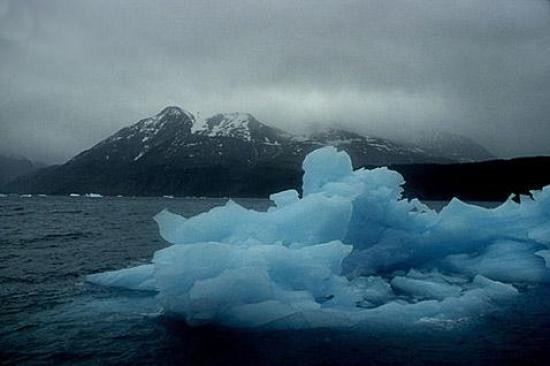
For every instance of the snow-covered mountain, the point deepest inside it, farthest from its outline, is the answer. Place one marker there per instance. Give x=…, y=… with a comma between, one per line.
x=131, y=143
x=173, y=152
x=176, y=134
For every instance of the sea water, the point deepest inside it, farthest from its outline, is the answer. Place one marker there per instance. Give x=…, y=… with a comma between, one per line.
x=50, y=315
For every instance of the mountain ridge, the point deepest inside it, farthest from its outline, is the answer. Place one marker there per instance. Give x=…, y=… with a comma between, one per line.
x=227, y=154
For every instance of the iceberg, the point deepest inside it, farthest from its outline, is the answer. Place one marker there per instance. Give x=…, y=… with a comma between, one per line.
x=349, y=251
x=93, y=195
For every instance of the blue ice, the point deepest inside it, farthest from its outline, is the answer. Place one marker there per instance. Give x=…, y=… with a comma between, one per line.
x=351, y=251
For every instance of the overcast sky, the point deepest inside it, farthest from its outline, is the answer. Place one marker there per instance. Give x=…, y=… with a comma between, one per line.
x=74, y=72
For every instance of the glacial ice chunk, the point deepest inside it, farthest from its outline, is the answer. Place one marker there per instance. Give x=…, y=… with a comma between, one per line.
x=284, y=198
x=133, y=278
x=324, y=166
x=350, y=252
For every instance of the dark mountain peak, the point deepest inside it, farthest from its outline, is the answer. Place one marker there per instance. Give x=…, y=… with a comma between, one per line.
x=172, y=119
x=174, y=111
x=170, y=114
x=134, y=142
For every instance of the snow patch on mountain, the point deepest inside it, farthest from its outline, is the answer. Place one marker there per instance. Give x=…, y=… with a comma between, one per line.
x=235, y=125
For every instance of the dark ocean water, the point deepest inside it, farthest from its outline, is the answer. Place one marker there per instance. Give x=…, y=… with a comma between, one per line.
x=49, y=315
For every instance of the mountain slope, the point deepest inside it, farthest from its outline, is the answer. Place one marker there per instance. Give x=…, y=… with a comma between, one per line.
x=12, y=167
x=229, y=154
x=366, y=150
x=452, y=146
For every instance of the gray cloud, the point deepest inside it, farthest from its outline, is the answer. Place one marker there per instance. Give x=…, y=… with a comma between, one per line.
x=73, y=72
